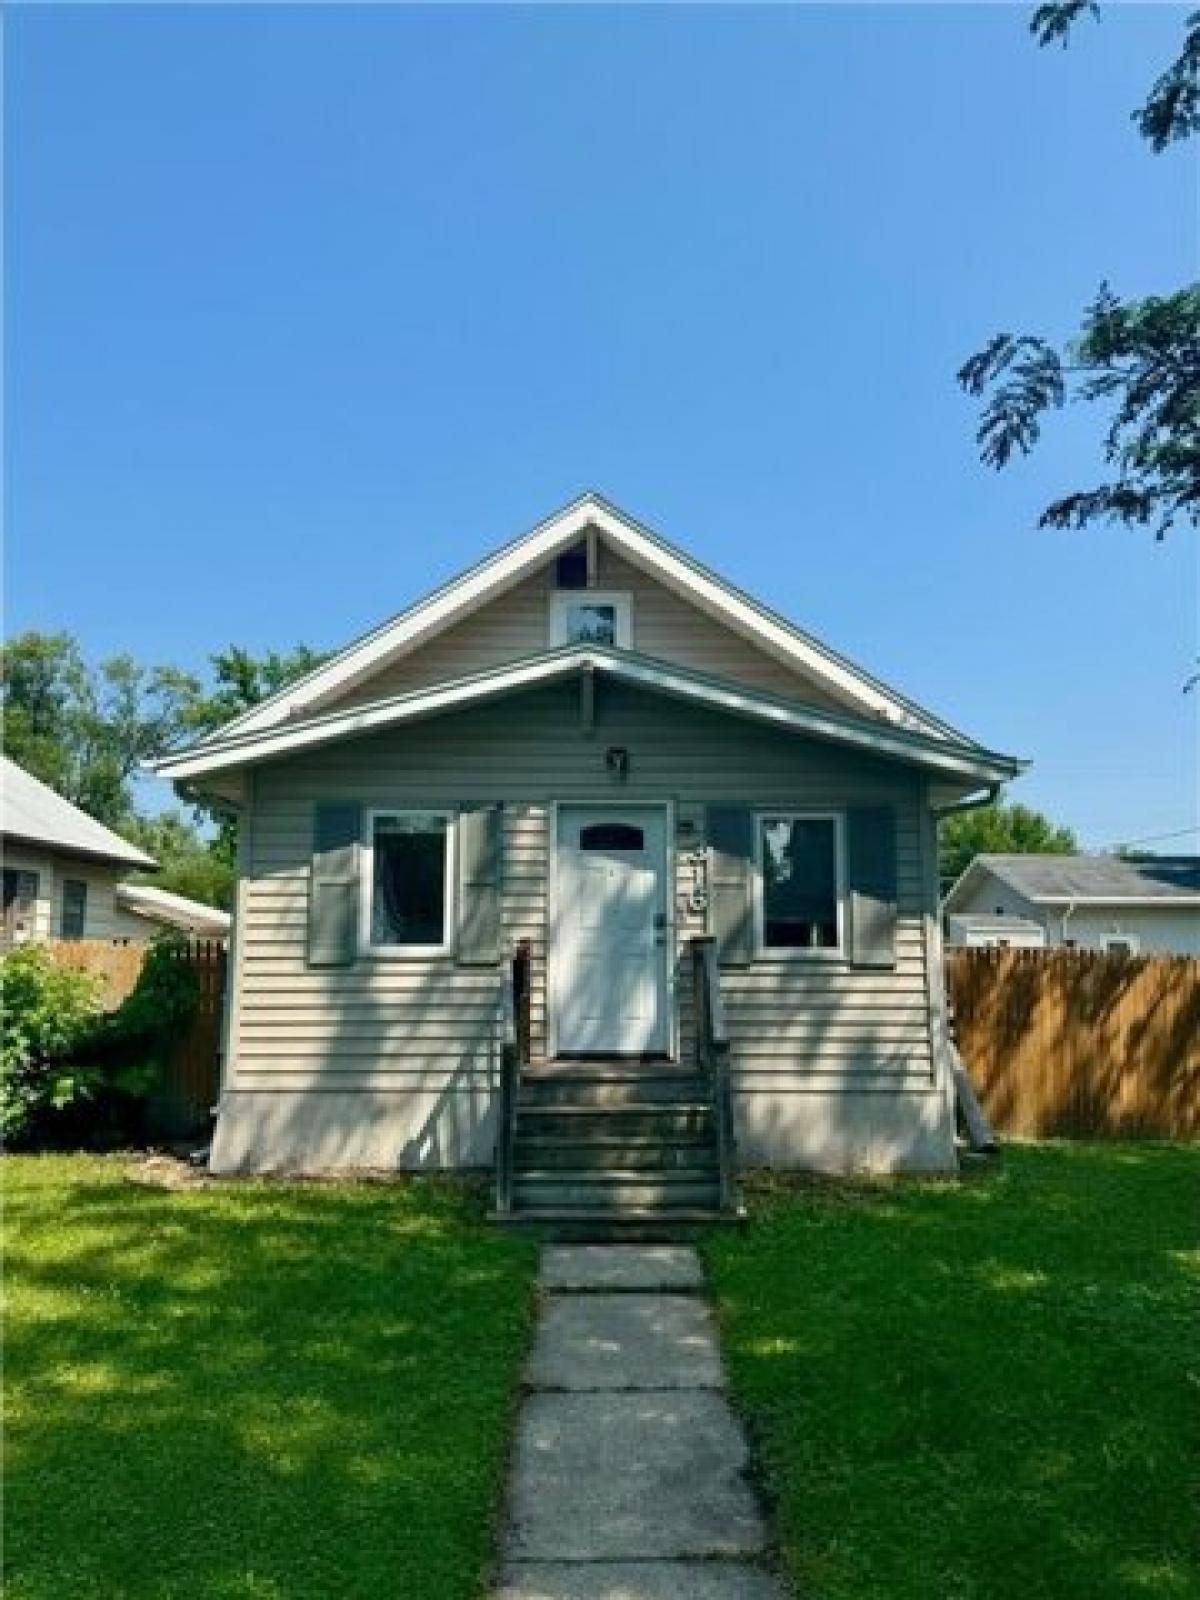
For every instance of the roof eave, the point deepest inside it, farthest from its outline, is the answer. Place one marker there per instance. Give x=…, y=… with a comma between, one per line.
x=966, y=761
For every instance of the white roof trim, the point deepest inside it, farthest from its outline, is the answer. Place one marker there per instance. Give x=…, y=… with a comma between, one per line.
x=879, y=738
x=647, y=550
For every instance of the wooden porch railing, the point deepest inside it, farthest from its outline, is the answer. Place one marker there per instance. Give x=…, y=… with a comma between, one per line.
x=514, y=1053
x=712, y=1059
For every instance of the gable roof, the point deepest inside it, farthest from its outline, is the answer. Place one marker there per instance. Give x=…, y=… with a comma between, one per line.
x=1062, y=879
x=242, y=748
x=31, y=811
x=498, y=572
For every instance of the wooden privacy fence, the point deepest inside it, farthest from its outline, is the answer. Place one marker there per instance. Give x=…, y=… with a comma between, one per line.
x=192, y=1078
x=1076, y=1043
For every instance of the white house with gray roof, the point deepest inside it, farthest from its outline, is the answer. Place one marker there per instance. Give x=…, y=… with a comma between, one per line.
x=1088, y=902
x=592, y=786
x=64, y=872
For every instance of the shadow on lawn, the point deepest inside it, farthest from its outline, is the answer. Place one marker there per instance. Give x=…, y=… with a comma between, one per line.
x=257, y=1391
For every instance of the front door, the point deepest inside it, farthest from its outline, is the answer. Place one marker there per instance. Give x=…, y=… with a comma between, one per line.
x=609, y=944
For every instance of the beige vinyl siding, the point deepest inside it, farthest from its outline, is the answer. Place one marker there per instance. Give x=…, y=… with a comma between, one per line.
x=517, y=624
x=101, y=917
x=427, y=1024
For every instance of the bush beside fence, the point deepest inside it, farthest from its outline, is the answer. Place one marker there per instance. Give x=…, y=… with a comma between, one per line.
x=1080, y=1044
x=181, y=1103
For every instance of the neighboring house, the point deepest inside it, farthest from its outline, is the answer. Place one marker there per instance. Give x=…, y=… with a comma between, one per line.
x=989, y=930
x=1086, y=902
x=145, y=911
x=591, y=743
x=63, y=874
x=61, y=867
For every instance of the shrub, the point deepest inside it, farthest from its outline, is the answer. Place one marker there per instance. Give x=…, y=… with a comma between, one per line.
x=49, y=1010
x=72, y=1073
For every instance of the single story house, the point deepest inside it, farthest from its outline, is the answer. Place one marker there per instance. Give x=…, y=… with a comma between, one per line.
x=1086, y=902
x=64, y=872
x=592, y=783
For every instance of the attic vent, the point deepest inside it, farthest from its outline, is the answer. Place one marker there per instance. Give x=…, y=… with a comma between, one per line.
x=572, y=567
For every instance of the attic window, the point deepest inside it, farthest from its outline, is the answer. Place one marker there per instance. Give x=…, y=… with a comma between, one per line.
x=572, y=568
x=596, y=616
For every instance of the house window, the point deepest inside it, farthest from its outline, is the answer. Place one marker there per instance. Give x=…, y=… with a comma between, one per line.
x=73, y=916
x=611, y=836
x=800, y=882
x=407, y=882
x=591, y=616
x=1121, y=944
x=20, y=889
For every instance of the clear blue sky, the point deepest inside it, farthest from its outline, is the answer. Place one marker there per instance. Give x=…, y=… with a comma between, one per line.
x=307, y=308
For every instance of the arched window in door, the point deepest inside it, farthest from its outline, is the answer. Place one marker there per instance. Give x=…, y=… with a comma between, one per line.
x=611, y=836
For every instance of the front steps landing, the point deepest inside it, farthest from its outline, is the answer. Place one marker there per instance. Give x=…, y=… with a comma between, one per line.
x=614, y=1149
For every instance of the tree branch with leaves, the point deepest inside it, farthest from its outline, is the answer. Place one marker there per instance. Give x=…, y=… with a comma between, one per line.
x=1140, y=358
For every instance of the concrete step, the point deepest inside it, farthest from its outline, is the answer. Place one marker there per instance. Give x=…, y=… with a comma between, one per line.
x=619, y=1190
x=606, y=1152
x=666, y=1121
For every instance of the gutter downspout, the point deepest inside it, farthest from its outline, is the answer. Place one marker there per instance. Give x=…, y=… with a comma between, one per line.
x=1066, y=917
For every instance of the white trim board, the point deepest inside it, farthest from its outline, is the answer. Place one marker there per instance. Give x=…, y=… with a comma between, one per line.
x=879, y=738
x=588, y=515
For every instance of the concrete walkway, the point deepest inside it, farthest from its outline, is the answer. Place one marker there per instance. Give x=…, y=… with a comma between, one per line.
x=629, y=1478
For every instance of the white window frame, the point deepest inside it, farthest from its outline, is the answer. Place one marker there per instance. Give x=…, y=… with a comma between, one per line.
x=1131, y=941
x=620, y=599
x=401, y=952
x=773, y=952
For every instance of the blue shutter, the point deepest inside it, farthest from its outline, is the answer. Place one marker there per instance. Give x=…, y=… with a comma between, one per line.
x=871, y=885
x=333, y=885
x=480, y=849
x=730, y=889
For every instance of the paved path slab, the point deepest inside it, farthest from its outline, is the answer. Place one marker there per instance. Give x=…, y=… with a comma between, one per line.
x=638, y=1580
x=618, y=1477
x=625, y=1341
x=620, y=1266
x=629, y=1477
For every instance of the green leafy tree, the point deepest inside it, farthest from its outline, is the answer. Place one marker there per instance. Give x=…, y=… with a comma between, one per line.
x=189, y=862
x=1139, y=359
x=999, y=829
x=85, y=731
x=242, y=681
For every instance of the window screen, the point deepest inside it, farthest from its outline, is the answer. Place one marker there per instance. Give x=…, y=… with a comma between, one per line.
x=591, y=622
x=74, y=908
x=408, y=888
x=798, y=861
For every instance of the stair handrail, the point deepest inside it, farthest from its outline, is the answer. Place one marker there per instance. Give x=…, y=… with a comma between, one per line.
x=514, y=1052
x=712, y=1057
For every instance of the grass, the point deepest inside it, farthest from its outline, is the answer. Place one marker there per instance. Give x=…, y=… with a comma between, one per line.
x=979, y=1390
x=255, y=1391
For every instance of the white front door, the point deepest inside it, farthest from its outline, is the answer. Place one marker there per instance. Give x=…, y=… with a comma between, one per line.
x=609, y=938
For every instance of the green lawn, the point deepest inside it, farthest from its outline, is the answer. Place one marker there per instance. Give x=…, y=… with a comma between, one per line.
x=254, y=1392
x=980, y=1390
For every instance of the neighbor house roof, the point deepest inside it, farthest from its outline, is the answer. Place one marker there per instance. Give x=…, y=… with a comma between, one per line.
x=850, y=684
x=961, y=759
x=1076, y=879
x=173, y=910
x=31, y=811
